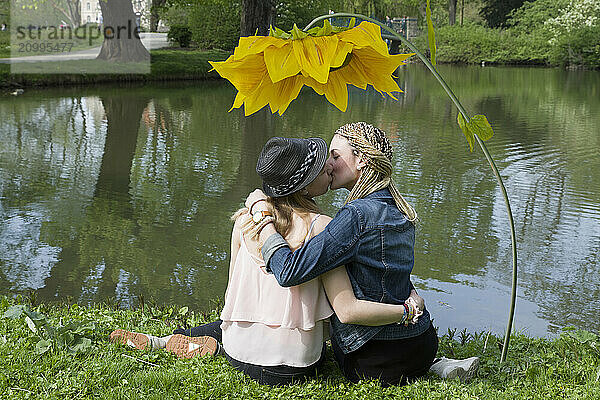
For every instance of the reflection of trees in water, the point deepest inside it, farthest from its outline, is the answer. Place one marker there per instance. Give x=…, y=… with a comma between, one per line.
x=47, y=156
x=102, y=243
x=181, y=173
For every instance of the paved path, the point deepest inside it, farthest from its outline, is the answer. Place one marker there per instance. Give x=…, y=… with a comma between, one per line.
x=149, y=40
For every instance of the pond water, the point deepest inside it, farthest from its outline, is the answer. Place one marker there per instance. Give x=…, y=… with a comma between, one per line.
x=115, y=192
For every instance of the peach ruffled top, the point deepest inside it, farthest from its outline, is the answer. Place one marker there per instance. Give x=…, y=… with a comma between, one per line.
x=266, y=324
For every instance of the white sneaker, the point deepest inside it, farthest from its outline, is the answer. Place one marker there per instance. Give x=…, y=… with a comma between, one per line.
x=450, y=369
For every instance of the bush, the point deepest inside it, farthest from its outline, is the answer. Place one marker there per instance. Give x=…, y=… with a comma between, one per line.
x=579, y=48
x=215, y=24
x=472, y=44
x=180, y=34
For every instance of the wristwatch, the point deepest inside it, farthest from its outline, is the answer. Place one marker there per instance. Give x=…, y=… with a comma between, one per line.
x=258, y=216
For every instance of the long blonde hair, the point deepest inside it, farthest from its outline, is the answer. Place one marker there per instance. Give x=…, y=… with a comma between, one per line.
x=283, y=209
x=377, y=174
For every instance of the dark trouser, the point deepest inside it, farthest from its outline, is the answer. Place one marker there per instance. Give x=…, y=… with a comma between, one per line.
x=391, y=361
x=267, y=375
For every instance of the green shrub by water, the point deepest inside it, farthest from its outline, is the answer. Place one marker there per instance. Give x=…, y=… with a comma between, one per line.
x=472, y=44
x=578, y=48
x=546, y=32
x=564, y=367
x=180, y=34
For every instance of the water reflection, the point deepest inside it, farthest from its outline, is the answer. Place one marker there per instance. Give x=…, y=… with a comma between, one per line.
x=117, y=192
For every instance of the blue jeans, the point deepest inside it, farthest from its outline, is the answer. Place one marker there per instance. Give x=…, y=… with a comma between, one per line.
x=266, y=375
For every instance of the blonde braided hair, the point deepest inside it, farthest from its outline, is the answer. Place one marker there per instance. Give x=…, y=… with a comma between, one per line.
x=377, y=174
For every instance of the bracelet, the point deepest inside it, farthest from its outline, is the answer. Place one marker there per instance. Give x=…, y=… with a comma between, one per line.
x=252, y=205
x=411, y=313
x=404, y=315
x=266, y=221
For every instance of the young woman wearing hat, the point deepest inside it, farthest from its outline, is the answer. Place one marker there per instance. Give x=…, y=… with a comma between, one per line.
x=275, y=334
x=373, y=236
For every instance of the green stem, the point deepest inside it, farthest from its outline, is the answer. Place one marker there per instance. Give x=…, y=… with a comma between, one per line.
x=461, y=109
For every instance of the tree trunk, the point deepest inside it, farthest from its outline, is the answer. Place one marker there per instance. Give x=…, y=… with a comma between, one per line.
x=154, y=19
x=75, y=12
x=121, y=34
x=154, y=14
x=451, y=12
x=257, y=15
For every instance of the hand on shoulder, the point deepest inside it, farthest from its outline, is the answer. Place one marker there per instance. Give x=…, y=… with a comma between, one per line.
x=255, y=197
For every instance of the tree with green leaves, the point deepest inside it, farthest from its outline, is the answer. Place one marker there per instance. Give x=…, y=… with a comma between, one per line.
x=496, y=12
x=156, y=8
x=44, y=12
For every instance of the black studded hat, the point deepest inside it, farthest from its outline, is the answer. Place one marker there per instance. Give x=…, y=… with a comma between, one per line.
x=287, y=165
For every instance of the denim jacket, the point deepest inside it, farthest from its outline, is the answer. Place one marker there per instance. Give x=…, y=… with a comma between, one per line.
x=375, y=241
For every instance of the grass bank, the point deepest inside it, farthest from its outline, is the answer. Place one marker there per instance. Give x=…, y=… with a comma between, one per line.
x=565, y=367
x=165, y=65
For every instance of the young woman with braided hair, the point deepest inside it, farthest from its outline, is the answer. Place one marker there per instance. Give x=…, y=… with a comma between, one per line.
x=373, y=235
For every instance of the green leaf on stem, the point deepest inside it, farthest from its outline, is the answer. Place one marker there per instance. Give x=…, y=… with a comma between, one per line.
x=430, y=33
x=297, y=33
x=477, y=125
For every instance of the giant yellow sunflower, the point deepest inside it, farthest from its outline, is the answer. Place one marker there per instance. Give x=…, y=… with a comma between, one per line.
x=272, y=69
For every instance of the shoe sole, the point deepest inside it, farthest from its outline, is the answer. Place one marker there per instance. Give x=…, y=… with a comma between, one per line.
x=188, y=346
x=471, y=370
x=465, y=375
x=131, y=339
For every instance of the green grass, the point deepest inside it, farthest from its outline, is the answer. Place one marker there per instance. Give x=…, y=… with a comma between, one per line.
x=165, y=65
x=565, y=367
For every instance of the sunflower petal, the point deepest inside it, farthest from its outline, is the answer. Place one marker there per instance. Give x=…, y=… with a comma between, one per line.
x=281, y=62
x=260, y=97
x=239, y=100
x=252, y=45
x=245, y=74
x=337, y=92
x=341, y=53
x=377, y=69
x=314, y=54
x=366, y=34
x=354, y=74
x=287, y=91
